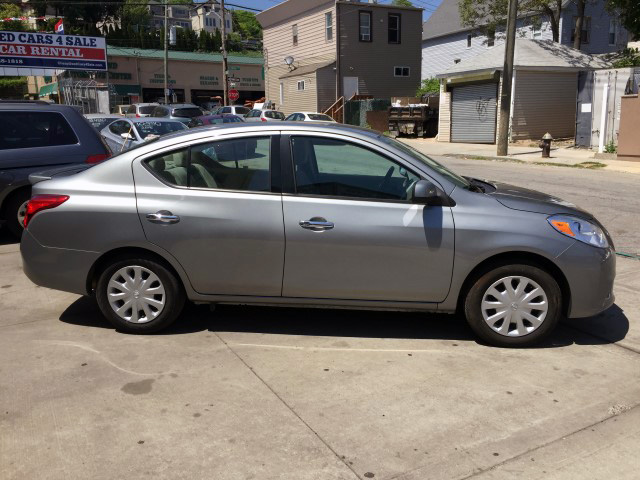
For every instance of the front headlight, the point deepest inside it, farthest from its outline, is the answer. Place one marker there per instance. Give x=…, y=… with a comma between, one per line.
x=580, y=229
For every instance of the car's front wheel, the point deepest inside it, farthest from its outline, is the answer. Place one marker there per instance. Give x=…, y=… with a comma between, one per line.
x=513, y=305
x=139, y=295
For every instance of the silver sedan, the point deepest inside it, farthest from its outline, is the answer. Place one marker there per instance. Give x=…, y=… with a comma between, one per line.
x=312, y=214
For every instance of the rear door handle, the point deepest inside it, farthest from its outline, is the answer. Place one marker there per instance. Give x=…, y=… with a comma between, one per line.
x=317, y=224
x=163, y=216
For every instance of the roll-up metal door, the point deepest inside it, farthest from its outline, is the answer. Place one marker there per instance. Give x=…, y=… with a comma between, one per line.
x=473, y=113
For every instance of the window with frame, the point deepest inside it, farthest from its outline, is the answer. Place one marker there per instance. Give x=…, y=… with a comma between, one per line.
x=301, y=85
x=364, y=24
x=34, y=129
x=613, y=27
x=401, y=71
x=491, y=38
x=469, y=37
x=394, y=28
x=294, y=34
x=585, y=35
x=238, y=164
x=328, y=26
x=334, y=168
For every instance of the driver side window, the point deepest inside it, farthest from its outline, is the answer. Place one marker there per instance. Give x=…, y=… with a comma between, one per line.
x=328, y=167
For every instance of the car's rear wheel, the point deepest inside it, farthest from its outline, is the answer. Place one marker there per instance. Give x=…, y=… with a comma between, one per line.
x=513, y=305
x=14, y=210
x=139, y=295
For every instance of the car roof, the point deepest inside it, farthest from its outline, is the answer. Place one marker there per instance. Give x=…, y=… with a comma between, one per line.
x=149, y=104
x=152, y=119
x=37, y=105
x=102, y=115
x=181, y=105
x=219, y=115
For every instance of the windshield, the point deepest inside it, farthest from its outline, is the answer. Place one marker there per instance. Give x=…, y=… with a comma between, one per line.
x=430, y=162
x=187, y=112
x=158, y=128
x=100, y=122
x=320, y=116
x=146, y=110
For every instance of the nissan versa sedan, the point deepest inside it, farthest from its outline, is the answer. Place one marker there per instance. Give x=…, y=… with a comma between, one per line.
x=312, y=214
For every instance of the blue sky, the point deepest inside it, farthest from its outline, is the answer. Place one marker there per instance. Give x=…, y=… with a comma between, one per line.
x=428, y=5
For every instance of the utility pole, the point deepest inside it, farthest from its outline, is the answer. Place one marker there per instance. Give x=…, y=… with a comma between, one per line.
x=166, y=53
x=507, y=76
x=225, y=83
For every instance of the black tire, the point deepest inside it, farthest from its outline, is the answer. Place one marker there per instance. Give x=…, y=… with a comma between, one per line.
x=10, y=211
x=174, y=296
x=476, y=292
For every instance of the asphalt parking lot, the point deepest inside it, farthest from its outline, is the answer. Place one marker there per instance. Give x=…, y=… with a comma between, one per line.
x=249, y=392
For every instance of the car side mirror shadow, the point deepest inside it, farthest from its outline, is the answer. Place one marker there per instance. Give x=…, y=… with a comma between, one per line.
x=426, y=193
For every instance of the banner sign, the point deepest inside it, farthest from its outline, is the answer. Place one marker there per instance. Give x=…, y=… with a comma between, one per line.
x=47, y=50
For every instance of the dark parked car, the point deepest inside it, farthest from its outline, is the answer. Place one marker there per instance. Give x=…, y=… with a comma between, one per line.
x=215, y=119
x=35, y=136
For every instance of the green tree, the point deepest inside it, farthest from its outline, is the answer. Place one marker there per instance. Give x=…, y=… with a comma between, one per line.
x=134, y=14
x=402, y=3
x=246, y=24
x=10, y=10
x=629, y=13
x=428, y=85
x=234, y=42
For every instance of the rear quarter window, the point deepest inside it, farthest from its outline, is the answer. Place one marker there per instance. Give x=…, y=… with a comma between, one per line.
x=34, y=129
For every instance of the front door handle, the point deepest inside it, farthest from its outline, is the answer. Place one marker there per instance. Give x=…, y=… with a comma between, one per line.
x=163, y=216
x=316, y=224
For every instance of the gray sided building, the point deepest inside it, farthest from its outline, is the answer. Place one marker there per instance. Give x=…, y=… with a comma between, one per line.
x=317, y=51
x=445, y=41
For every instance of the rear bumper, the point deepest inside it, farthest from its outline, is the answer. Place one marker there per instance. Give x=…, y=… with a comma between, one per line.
x=590, y=272
x=56, y=268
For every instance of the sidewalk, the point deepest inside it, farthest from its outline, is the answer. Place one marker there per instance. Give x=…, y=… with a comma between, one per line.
x=562, y=156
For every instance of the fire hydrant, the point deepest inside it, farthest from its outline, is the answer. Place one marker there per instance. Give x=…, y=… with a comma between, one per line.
x=545, y=145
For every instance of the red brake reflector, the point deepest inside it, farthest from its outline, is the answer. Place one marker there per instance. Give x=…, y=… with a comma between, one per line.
x=97, y=158
x=263, y=119
x=42, y=202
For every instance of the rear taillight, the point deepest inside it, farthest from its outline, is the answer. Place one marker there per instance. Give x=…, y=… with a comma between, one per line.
x=97, y=158
x=137, y=115
x=263, y=119
x=42, y=202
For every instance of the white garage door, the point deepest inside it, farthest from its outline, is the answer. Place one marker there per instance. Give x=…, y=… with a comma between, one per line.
x=473, y=113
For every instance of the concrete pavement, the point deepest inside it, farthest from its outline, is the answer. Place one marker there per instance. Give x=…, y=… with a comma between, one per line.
x=559, y=155
x=275, y=393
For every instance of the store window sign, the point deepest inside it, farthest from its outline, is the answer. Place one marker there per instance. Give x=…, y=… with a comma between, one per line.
x=209, y=80
x=159, y=78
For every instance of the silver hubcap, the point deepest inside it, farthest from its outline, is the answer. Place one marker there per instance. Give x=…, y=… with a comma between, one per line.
x=514, y=306
x=22, y=211
x=136, y=294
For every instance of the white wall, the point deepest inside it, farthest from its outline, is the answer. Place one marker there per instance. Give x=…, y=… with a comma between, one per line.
x=438, y=54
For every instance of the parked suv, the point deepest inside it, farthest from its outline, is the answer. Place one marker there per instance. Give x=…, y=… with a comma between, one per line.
x=138, y=110
x=184, y=112
x=35, y=136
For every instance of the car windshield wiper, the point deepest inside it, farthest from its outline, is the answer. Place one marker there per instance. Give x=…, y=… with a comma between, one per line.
x=475, y=185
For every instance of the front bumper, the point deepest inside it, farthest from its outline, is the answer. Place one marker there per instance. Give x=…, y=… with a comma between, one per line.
x=590, y=272
x=56, y=268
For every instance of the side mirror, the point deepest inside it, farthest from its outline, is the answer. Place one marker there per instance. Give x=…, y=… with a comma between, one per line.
x=426, y=193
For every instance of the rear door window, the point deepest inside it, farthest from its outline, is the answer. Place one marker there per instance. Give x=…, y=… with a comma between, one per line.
x=240, y=164
x=272, y=114
x=241, y=110
x=146, y=110
x=34, y=129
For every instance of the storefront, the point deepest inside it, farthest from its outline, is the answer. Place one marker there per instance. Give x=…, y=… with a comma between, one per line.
x=193, y=77
x=137, y=75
